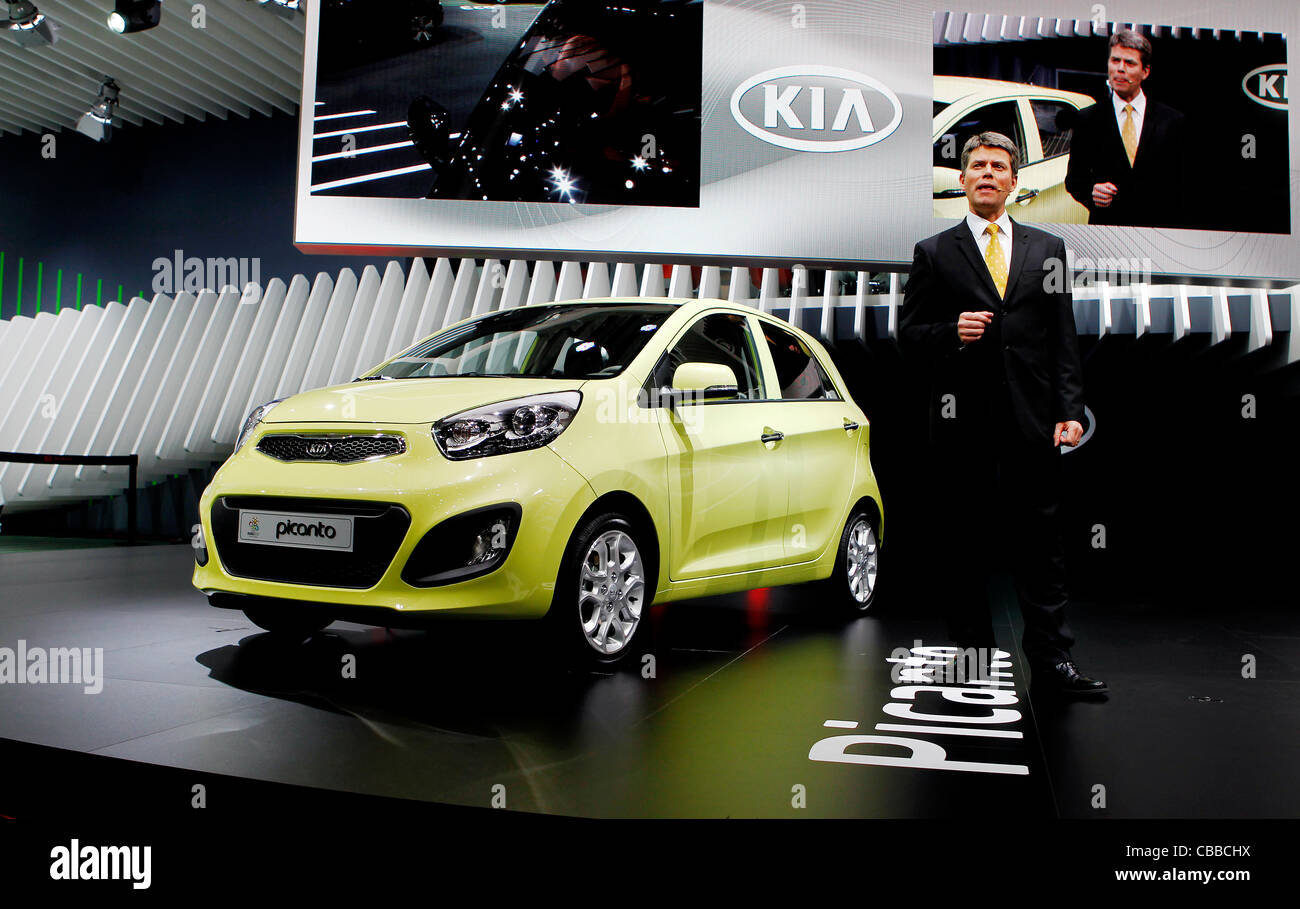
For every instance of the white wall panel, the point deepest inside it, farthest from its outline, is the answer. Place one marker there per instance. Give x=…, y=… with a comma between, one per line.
x=292, y=377
x=379, y=327
x=363, y=308
x=408, y=311
x=20, y=380
x=197, y=438
x=326, y=343
x=251, y=361
x=169, y=453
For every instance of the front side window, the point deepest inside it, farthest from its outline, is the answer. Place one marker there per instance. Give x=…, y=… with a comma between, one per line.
x=998, y=117
x=798, y=373
x=722, y=338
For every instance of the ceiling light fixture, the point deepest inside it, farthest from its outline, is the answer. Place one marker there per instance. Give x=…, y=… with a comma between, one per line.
x=22, y=21
x=97, y=123
x=134, y=15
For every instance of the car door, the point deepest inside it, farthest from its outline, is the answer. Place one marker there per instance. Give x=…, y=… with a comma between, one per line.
x=727, y=487
x=1041, y=196
x=821, y=432
x=1000, y=115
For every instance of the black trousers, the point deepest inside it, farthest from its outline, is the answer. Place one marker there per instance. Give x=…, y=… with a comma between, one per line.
x=996, y=506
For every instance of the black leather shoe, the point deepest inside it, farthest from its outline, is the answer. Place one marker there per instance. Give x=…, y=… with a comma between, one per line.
x=1064, y=677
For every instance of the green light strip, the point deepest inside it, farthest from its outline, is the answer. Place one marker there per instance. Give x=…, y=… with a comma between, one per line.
x=19, y=311
x=58, y=291
x=2, y=278
x=99, y=293
x=119, y=294
x=78, y=290
x=40, y=282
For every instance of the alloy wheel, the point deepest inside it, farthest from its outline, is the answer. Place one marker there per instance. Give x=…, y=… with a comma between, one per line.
x=611, y=592
x=863, y=552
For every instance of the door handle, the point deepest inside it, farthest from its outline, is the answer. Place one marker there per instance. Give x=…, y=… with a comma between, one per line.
x=772, y=437
x=849, y=426
x=1026, y=196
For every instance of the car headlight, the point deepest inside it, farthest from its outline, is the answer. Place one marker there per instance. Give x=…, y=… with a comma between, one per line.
x=256, y=416
x=516, y=425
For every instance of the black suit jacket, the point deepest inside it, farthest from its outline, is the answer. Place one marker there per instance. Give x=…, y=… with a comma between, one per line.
x=1028, y=357
x=1153, y=191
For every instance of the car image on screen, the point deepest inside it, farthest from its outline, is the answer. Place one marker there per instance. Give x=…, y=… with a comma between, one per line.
x=570, y=462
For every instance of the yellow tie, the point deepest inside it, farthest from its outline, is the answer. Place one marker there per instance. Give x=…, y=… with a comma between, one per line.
x=996, y=260
x=1129, y=134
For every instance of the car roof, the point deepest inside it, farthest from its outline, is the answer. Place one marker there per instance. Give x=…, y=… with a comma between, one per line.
x=948, y=89
x=688, y=305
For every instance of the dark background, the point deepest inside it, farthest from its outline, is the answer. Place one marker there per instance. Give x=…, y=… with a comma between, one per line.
x=1196, y=74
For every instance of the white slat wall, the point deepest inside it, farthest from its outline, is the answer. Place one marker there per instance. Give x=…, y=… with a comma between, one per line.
x=173, y=379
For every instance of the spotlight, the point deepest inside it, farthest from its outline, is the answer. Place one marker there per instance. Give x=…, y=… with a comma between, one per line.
x=284, y=8
x=134, y=15
x=97, y=123
x=27, y=25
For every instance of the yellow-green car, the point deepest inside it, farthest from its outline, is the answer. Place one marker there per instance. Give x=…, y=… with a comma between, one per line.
x=572, y=460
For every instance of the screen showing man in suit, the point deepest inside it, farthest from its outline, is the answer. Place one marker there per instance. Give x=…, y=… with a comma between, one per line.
x=997, y=337
x=1127, y=157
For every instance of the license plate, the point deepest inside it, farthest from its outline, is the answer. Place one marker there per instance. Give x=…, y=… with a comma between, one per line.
x=302, y=531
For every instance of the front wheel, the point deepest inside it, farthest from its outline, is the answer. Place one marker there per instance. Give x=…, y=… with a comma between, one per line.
x=603, y=592
x=851, y=588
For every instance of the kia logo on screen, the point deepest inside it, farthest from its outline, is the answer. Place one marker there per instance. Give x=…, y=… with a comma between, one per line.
x=1266, y=85
x=816, y=108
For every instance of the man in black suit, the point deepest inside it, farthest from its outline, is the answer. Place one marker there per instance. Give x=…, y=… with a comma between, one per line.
x=988, y=309
x=1128, y=153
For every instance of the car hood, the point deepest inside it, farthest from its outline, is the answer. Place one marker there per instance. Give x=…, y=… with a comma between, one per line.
x=407, y=400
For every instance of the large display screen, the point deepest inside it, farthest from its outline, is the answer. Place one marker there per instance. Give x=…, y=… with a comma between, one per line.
x=822, y=133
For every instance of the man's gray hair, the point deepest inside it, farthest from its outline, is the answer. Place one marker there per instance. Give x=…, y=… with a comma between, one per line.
x=1126, y=37
x=991, y=140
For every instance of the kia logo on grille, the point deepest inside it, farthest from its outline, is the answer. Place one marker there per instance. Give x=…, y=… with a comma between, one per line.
x=816, y=108
x=318, y=449
x=1266, y=85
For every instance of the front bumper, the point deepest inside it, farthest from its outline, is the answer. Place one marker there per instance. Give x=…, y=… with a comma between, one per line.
x=408, y=494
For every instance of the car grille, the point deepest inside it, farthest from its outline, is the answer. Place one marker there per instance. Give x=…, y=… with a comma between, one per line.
x=341, y=449
x=378, y=531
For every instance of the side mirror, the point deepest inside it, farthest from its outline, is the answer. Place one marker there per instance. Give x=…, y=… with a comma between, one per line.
x=704, y=382
x=427, y=125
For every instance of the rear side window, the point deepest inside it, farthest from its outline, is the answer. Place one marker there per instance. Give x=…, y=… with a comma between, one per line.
x=799, y=374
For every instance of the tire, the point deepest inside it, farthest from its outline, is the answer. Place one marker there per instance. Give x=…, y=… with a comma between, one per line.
x=288, y=621
x=851, y=588
x=593, y=625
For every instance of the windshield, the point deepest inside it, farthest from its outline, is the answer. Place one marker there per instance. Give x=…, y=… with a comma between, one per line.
x=545, y=342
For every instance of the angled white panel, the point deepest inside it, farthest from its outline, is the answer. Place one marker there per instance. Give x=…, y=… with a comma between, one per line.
x=798, y=295
x=1182, y=311
x=597, y=284
x=769, y=290
x=274, y=358
x=710, y=283
x=436, y=300
x=462, y=290
x=363, y=310
x=680, y=285
x=860, y=311
x=122, y=436
x=16, y=330
x=491, y=279
x=624, y=284
x=1261, y=320
x=569, y=286
x=1293, y=338
x=200, y=312
x=652, y=281
x=738, y=285
x=19, y=373
x=1142, y=310
x=408, y=310
x=826, y=324
x=1220, y=322
x=325, y=344
x=169, y=453
x=94, y=428
x=542, y=288
x=894, y=301
x=230, y=416
x=379, y=328
x=1104, y=321
x=73, y=370
x=291, y=379
x=197, y=426
x=513, y=294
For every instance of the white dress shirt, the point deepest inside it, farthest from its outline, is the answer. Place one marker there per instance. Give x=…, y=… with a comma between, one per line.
x=977, y=225
x=1139, y=112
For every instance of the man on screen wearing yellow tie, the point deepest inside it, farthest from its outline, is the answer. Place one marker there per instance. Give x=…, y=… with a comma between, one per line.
x=988, y=315
x=1128, y=154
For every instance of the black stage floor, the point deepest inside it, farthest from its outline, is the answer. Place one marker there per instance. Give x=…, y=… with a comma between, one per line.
x=743, y=688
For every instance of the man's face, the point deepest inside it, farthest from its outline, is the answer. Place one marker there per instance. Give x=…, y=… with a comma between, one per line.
x=987, y=179
x=1126, y=72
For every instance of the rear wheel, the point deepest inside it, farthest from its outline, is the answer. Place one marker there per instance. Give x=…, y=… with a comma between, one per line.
x=288, y=621
x=603, y=592
x=851, y=588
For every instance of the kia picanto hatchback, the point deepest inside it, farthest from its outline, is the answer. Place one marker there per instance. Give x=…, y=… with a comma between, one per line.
x=572, y=461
